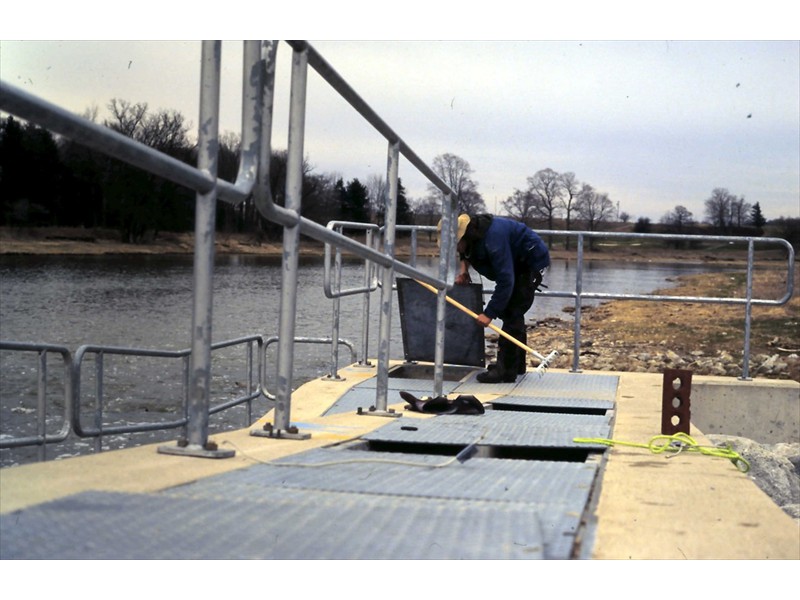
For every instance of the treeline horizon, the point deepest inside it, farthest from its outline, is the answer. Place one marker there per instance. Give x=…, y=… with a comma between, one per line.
x=50, y=181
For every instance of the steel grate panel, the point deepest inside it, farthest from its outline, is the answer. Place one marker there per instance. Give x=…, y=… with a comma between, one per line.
x=565, y=403
x=498, y=428
x=554, y=385
x=279, y=524
x=408, y=385
x=558, y=492
x=395, y=474
x=473, y=386
x=551, y=385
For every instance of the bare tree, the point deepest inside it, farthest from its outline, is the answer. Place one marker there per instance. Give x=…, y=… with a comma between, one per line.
x=594, y=208
x=570, y=188
x=427, y=211
x=519, y=205
x=545, y=188
x=457, y=174
x=127, y=118
x=166, y=130
x=377, y=189
x=678, y=218
x=718, y=208
x=740, y=211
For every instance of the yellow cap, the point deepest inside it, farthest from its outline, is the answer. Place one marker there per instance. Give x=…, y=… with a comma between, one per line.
x=463, y=221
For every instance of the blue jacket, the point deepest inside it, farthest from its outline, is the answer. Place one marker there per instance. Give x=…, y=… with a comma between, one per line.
x=498, y=248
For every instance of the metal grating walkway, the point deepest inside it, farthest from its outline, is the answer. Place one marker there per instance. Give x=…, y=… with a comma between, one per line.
x=359, y=501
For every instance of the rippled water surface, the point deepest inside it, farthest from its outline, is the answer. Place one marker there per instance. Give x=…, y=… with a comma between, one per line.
x=146, y=302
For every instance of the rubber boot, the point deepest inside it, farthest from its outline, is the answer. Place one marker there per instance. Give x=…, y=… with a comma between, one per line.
x=522, y=365
x=499, y=372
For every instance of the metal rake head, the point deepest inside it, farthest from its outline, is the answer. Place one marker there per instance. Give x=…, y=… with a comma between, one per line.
x=545, y=362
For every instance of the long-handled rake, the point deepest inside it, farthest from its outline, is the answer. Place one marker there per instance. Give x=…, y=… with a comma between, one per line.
x=544, y=361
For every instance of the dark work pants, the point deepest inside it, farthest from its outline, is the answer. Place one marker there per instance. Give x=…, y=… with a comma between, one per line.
x=510, y=357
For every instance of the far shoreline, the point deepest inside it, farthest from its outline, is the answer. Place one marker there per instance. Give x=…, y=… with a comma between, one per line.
x=84, y=242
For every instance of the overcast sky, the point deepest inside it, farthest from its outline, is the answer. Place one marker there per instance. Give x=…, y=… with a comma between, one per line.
x=653, y=124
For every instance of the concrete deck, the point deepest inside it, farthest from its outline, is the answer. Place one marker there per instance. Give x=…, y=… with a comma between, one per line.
x=688, y=506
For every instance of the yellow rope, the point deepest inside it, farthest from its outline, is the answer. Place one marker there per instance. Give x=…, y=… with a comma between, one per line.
x=675, y=444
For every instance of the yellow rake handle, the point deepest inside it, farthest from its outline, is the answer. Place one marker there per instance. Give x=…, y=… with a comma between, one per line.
x=494, y=327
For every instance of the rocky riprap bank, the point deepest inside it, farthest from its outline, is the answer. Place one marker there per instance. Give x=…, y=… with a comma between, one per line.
x=601, y=352
x=775, y=468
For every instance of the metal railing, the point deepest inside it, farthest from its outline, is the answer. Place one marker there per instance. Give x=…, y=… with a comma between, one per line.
x=579, y=295
x=253, y=182
x=75, y=396
x=42, y=438
x=258, y=77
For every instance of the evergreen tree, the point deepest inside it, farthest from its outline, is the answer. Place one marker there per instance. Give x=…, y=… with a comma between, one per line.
x=30, y=175
x=757, y=219
x=405, y=216
x=355, y=202
x=11, y=172
x=642, y=225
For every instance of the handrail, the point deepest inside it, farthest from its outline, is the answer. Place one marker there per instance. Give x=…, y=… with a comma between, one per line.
x=334, y=342
x=254, y=391
x=289, y=216
x=748, y=301
x=73, y=363
x=329, y=74
x=679, y=237
x=42, y=438
x=578, y=294
x=370, y=284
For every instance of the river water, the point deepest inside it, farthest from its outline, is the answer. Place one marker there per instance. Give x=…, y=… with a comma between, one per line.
x=146, y=302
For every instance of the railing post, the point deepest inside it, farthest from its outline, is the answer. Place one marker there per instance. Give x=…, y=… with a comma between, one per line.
x=99, y=398
x=748, y=311
x=41, y=405
x=196, y=443
x=365, y=304
x=337, y=287
x=390, y=227
x=447, y=260
x=282, y=427
x=576, y=345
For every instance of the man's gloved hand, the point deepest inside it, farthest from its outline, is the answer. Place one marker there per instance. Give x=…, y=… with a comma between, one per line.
x=463, y=279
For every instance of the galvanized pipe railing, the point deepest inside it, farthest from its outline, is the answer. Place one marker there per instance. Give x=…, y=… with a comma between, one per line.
x=579, y=295
x=307, y=340
x=42, y=438
x=294, y=224
x=333, y=288
x=73, y=402
x=253, y=178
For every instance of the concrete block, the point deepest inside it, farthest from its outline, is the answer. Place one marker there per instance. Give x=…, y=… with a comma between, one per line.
x=763, y=410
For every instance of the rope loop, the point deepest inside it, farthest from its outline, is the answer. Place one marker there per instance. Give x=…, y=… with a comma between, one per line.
x=675, y=444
